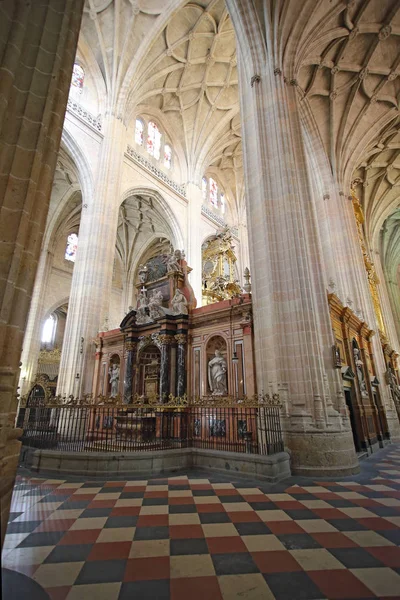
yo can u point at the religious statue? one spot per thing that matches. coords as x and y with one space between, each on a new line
179 303
155 305
173 262
142 308
114 380
392 381
360 373
217 375
143 273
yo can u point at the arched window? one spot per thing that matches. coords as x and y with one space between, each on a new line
167 156
153 140
72 245
213 192
139 128
49 330
78 75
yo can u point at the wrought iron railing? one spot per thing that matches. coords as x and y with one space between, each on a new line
226 424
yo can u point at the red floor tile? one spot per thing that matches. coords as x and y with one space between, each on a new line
339 584
81 497
326 496
143 569
55 525
156 494
226 545
114 484
86 536
125 511
207 508
182 500
227 492
294 489
59 593
389 555
275 562
255 498
244 517
152 521
132 488
281 527
185 532
195 588
377 524
102 504
333 540
109 551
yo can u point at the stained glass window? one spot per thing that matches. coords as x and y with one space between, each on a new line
167 156
213 192
49 329
153 140
72 244
204 188
78 75
139 132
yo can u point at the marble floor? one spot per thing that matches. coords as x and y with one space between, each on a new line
202 536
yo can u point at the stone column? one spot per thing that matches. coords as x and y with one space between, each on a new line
181 340
165 341
195 239
293 333
92 278
130 361
31 349
37 50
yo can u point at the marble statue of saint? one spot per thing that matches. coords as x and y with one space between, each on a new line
141 308
114 380
217 375
179 303
360 373
155 305
173 262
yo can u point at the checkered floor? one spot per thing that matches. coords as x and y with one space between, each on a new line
204 538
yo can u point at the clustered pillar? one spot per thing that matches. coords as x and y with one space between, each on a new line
37 51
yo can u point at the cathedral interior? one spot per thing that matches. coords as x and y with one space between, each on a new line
200 299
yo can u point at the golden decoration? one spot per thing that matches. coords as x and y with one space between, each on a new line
165 339
373 279
49 356
218 259
174 402
181 338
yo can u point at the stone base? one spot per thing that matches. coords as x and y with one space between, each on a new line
7 480
98 464
322 454
394 426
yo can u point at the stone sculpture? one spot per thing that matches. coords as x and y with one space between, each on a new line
360 373
142 308
114 380
155 305
173 262
217 369
179 304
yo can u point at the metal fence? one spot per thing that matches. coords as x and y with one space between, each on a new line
126 428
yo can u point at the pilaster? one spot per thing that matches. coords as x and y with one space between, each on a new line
92 278
37 50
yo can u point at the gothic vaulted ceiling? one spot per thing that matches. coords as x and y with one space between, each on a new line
347 69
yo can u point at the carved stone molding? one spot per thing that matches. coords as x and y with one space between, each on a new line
142 161
181 338
78 110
